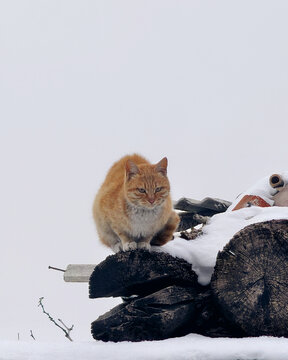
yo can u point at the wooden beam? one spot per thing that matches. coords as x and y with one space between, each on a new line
78 272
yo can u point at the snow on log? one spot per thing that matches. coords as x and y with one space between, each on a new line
250 280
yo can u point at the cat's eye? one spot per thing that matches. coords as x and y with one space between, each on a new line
158 189
141 190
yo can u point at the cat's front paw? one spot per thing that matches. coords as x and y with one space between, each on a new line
128 246
117 247
144 245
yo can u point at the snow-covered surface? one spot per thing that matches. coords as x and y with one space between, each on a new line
263 189
202 252
192 347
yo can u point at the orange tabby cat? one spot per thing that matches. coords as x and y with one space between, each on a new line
133 207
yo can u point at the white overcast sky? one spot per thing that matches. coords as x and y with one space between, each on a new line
83 83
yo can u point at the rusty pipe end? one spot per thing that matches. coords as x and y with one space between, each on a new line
276 181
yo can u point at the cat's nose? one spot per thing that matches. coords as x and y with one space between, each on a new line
151 200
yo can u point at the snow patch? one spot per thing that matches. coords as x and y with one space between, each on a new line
192 347
202 252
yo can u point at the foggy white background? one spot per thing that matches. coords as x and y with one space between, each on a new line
83 83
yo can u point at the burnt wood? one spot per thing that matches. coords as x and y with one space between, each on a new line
250 281
248 295
206 207
190 219
157 316
162 299
139 272
192 235
170 312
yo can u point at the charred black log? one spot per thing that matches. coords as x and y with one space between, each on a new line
206 207
168 302
209 321
170 312
250 280
195 212
191 235
160 315
190 219
139 272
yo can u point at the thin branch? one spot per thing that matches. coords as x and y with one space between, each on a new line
66 331
31 334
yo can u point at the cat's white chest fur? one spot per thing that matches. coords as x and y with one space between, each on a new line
144 222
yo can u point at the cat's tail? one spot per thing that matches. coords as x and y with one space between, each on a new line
166 234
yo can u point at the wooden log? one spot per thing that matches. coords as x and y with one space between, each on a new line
206 207
190 219
160 315
172 311
167 301
78 272
250 281
139 272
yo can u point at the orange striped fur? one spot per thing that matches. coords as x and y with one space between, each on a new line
133 207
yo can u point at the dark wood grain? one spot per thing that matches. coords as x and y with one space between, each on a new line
139 272
250 281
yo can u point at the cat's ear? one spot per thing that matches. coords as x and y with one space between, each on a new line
161 166
131 169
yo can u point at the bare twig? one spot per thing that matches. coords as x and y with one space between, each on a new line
66 330
31 334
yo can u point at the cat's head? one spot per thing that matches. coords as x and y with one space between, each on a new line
147 185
